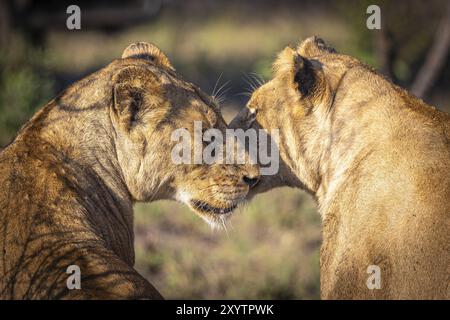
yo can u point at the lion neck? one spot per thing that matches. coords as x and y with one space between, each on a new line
82 142
337 140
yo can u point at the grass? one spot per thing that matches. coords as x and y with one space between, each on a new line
271 250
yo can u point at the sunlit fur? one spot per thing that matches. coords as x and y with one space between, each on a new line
72 174
376 159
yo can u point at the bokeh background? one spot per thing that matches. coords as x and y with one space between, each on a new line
272 248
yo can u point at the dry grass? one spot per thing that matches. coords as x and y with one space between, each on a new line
271 250
222 38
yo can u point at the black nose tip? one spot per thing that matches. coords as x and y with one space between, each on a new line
251 182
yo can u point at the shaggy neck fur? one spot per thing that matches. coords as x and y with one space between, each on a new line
335 139
88 151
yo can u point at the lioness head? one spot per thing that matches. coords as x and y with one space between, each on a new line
151 102
296 101
121 121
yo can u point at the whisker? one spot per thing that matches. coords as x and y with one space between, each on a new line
245 94
259 80
157 189
222 87
219 95
224 226
222 96
215 85
249 82
254 80
230 224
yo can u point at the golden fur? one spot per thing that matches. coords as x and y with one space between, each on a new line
72 174
376 159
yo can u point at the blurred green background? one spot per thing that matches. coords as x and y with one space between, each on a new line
272 250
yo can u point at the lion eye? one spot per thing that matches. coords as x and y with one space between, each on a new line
251 116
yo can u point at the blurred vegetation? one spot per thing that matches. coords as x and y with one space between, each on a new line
24 86
408 30
269 252
272 251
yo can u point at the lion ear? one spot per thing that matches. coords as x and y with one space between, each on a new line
147 51
295 69
304 76
135 92
314 46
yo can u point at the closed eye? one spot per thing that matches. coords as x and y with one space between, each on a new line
251 117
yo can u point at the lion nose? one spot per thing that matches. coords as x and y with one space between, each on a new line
251 181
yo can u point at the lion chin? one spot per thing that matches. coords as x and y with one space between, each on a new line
215 213
205 207
216 216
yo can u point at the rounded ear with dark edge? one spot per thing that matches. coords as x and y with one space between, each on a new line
147 51
135 92
314 46
295 69
304 77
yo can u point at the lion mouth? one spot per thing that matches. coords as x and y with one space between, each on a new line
206 208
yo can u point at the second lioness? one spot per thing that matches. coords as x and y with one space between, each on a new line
376 159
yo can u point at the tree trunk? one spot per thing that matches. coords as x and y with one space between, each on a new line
435 59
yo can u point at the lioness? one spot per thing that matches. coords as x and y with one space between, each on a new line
377 161
73 172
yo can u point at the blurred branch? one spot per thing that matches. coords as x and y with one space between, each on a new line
36 17
386 52
5 23
97 17
435 59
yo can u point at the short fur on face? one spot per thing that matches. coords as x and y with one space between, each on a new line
150 103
